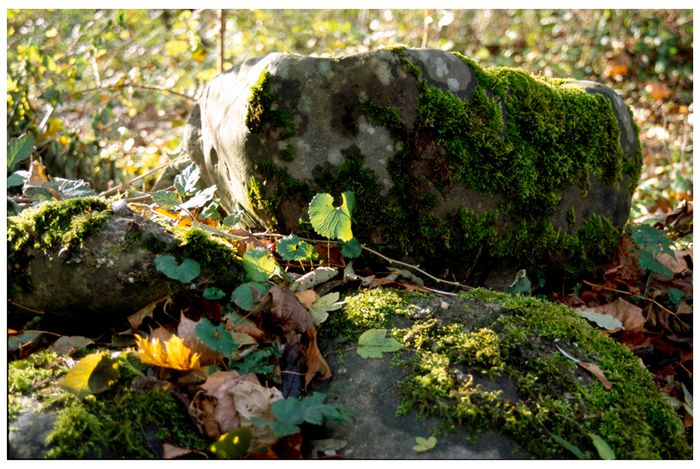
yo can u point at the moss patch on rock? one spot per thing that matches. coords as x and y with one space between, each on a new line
128 421
496 366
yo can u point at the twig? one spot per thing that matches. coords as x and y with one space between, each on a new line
416 268
161 89
222 36
645 298
144 175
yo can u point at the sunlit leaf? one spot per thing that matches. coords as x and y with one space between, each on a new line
18 150
186 181
330 221
329 302
232 445
216 338
424 444
292 248
165 199
17 178
174 354
373 343
259 264
185 272
93 374
199 199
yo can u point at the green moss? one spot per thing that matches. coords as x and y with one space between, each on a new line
63 222
287 188
129 425
287 153
53 224
261 110
451 370
213 254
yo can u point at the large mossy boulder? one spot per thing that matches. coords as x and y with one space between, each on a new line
449 162
490 375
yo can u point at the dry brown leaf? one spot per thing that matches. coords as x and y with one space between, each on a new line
224 413
678 265
307 298
37 176
315 363
289 313
186 330
629 315
597 372
137 318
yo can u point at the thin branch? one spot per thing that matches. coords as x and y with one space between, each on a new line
222 37
144 175
161 89
645 298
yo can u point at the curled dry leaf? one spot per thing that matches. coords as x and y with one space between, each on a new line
597 372
631 316
171 354
137 318
288 312
175 452
315 363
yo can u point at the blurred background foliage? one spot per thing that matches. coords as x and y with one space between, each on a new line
105 92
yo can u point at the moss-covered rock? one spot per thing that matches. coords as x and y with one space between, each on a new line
485 363
85 265
450 162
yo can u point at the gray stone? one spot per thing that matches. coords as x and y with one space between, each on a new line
273 131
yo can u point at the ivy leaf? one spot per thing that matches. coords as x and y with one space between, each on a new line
259 264
217 338
199 199
292 248
233 219
329 221
246 295
604 450
94 374
213 293
373 343
232 445
255 362
351 249
69 188
185 272
647 260
423 444
291 412
18 150
320 308
186 181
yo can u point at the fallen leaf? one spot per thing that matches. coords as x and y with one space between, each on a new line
601 320
17 342
329 444
288 312
137 318
319 310
629 315
373 343
604 450
315 363
93 374
173 354
68 345
307 298
175 452
186 329
597 372
676 264
424 444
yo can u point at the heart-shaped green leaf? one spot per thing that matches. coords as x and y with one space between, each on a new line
18 150
424 444
293 248
246 295
185 272
330 221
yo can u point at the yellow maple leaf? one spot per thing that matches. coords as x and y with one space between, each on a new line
174 355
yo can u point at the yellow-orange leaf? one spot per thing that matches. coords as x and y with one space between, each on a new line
174 354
